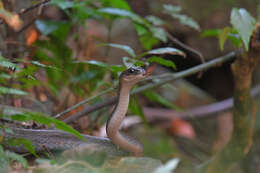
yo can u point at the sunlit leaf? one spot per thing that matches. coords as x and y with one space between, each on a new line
184 19
158 33
223 37
244 23
130 62
169 167
47 27
126 48
93 62
63 4
122 13
4 90
155 20
5 63
166 50
172 9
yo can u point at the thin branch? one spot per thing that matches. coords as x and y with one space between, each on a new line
185 47
83 102
23 11
169 77
204 111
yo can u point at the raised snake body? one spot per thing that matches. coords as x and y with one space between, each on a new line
59 140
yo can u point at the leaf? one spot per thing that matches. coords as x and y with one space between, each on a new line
166 50
223 37
171 9
5 63
210 33
122 13
27 144
46 120
93 62
136 108
244 23
158 33
130 62
148 41
4 90
63 4
156 21
126 48
10 156
186 20
162 61
116 4
169 167
47 27
153 96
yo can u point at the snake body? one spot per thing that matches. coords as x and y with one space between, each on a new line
59 140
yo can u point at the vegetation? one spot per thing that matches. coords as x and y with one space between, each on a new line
51 67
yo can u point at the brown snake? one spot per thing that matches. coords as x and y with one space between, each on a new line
59 140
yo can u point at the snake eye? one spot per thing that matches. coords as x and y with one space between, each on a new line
131 70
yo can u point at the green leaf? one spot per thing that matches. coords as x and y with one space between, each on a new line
122 13
153 96
4 90
130 62
158 33
244 23
63 4
210 33
46 120
26 143
148 41
162 61
223 37
166 50
184 19
5 63
156 21
10 156
116 4
126 48
47 27
136 108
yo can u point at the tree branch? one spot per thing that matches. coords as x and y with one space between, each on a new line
167 77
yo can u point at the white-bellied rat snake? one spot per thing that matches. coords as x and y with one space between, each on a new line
59 140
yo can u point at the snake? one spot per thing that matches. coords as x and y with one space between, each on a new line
117 143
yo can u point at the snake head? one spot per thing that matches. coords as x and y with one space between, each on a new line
133 75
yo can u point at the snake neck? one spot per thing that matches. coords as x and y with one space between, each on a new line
120 110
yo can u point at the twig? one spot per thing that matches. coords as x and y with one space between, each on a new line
169 77
23 11
198 112
83 102
185 47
